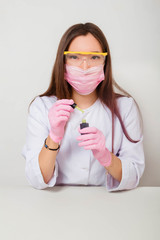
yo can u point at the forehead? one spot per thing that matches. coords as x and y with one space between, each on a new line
87 43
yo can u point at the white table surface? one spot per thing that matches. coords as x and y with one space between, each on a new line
84 213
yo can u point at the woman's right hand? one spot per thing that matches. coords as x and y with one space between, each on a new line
58 116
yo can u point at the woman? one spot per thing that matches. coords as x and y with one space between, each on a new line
109 150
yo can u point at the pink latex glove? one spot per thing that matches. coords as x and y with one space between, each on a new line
95 140
58 116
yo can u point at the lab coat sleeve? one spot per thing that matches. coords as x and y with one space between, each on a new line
37 131
130 154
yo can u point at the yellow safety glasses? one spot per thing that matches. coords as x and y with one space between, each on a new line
84 53
92 58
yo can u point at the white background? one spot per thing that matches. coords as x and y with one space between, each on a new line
30 32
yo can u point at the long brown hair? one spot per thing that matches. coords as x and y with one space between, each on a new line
105 90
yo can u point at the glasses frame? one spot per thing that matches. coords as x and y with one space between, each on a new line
97 53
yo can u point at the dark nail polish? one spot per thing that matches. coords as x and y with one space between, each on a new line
73 105
84 124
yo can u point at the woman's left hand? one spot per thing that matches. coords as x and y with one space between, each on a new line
93 139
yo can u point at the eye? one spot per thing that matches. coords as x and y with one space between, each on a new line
74 57
95 57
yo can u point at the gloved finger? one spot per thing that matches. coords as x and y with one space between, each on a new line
64 102
87 143
62 113
62 119
63 107
86 137
55 109
89 130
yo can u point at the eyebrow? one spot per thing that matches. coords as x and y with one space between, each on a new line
96 51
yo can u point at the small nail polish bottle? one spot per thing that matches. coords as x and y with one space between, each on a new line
84 124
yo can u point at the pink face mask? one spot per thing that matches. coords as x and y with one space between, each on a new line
84 81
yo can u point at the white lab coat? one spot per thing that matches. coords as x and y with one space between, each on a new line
75 165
